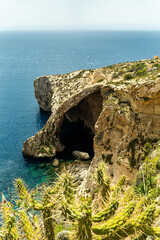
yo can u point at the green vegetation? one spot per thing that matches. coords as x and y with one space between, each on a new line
146 179
157 65
137 67
131 147
121 72
48 148
141 72
79 75
128 76
110 213
115 75
100 80
137 70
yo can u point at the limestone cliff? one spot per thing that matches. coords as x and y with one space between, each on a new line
119 104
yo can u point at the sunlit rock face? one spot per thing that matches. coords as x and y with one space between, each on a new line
119 106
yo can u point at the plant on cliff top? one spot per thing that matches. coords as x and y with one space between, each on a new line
141 72
136 67
128 76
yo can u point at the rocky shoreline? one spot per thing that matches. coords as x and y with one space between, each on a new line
119 105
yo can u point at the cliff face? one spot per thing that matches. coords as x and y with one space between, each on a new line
119 105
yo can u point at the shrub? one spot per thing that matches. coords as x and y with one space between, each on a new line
137 67
156 65
115 75
128 76
141 72
100 80
121 73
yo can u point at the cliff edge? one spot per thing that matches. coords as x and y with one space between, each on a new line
119 105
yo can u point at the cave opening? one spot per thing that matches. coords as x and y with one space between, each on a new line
75 136
77 130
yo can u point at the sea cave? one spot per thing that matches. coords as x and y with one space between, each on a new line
77 130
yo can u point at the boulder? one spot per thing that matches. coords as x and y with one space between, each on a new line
81 155
56 162
150 238
63 235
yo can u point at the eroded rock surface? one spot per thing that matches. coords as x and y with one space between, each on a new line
119 104
80 155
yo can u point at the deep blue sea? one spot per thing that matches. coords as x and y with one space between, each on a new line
27 55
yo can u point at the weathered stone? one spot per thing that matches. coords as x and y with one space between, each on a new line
56 162
156 57
150 238
81 155
121 114
157 109
157 200
63 235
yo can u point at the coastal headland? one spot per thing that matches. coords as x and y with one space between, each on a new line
118 106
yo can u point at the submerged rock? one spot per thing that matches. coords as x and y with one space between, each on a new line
55 162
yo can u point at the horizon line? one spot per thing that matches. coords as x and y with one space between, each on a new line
75 30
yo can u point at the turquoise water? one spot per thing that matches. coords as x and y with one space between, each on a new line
26 55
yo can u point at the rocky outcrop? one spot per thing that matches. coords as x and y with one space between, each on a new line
119 104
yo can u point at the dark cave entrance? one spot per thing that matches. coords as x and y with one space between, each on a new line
77 130
75 136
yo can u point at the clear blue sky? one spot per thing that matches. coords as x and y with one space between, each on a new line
79 14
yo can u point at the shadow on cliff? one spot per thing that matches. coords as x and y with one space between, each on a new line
77 130
75 136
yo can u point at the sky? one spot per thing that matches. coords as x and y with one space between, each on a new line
79 15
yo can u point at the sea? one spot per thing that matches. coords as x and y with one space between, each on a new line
27 55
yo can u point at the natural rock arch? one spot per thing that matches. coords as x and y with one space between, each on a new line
85 106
